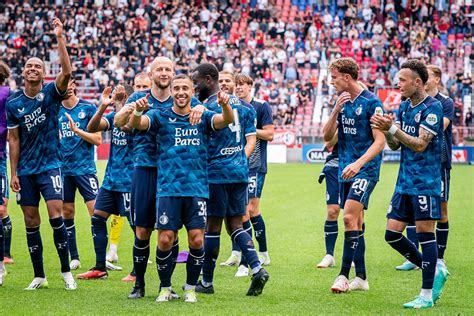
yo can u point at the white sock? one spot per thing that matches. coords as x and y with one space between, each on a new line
236 253
2 267
206 284
256 269
113 248
427 293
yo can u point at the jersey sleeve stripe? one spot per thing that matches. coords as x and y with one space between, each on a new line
12 127
107 121
250 134
429 130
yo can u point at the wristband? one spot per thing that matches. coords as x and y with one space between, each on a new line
393 129
137 113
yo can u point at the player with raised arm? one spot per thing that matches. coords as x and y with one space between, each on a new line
78 165
114 194
442 226
35 160
257 172
141 82
228 180
359 148
418 132
182 177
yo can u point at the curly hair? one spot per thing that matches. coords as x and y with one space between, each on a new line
345 65
5 72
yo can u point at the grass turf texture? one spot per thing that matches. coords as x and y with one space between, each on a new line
293 205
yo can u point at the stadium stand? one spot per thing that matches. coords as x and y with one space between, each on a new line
286 45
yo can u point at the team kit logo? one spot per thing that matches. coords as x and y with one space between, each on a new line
81 115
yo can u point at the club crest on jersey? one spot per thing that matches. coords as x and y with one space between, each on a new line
378 110
417 117
40 96
432 119
164 219
359 110
81 115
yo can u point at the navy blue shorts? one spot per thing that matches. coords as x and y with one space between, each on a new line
332 185
445 184
113 202
175 211
255 185
87 184
49 184
358 190
409 208
5 186
143 212
226 200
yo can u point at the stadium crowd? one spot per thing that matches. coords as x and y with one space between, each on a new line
284 51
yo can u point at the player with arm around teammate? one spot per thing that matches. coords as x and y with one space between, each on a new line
182 178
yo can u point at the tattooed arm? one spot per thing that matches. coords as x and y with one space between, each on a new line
417 144
392 141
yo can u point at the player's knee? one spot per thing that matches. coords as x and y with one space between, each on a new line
349 220
392 236
142 233
68 210
32 220
333 212
165 240
196 241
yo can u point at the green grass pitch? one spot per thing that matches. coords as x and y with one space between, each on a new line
293 206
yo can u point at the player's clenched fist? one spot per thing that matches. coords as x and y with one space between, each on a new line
58 27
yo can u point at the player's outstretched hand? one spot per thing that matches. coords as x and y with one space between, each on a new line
380 122
196 114
142 104
15 184
72 126
58 27
351 170
343 98
106 98
223 98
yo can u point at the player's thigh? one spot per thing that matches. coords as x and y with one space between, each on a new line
214 224
106 203
194 213
143 197
169 213
51 186
401 209
445 184
237 199
426 209
332 185
218 200
70 187
29 194
88 186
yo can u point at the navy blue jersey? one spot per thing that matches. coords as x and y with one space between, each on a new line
144 142
118 174
77 155
420 173
227 159
355 135
258 158
37 121
448 112
182 153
